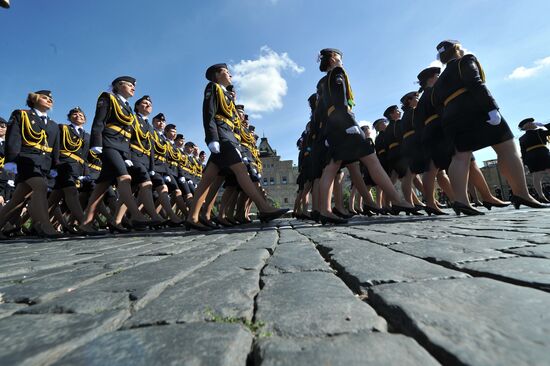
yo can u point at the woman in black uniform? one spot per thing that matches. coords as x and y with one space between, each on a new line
219 117
471 121
534 151
110 137
32 150
345 139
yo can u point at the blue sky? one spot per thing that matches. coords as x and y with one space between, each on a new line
75 49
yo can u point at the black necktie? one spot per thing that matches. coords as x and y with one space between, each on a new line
128 105
44 119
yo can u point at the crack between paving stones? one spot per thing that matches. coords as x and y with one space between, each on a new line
473 273
394 326
251 357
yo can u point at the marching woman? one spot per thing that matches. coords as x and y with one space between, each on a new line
219 121
471 121
432 144
534 151
32 150
345 139
110 137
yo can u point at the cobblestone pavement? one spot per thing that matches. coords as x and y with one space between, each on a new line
379 291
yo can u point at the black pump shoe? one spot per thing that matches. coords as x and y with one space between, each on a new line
268 216
396 209
315 216
331 220
489 205
432 211
466 210
196 226
341 214
518 201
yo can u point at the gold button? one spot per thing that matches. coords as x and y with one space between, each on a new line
125 139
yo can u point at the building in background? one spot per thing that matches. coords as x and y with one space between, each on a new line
495 180
278 176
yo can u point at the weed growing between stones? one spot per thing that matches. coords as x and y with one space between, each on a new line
254 327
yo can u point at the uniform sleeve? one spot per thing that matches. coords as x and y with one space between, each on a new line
209 109
471 76
98 125
13 140
55 150
522 146
337 87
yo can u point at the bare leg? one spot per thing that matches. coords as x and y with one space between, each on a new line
478 181
38 205
145 197
211 198
325 188
208 177
164 200
338 193
249 188
381 179
458 174
352 200
510 165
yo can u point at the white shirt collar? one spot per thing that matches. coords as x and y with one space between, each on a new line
40 114
122 98
77 128
2 139
223 87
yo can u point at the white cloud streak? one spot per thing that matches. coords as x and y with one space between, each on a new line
523 72
260 83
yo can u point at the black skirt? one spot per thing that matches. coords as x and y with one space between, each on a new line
436 147
112 165
26 169
537 160
466 128
229 155
343 146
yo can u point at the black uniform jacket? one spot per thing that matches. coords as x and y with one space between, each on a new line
461 90
73 149
218 115
112 125
21 144
141 145
160 150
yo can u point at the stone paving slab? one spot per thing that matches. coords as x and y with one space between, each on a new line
40 339
296 257
363 348
473 321
459 249
534 272
541 251
364 264
287 292
224 288
190 344
312 304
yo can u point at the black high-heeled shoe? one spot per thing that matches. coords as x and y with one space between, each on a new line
331 220
208 223
222 222
118 228
315 216
518 201
432 211
196 226
232 221
376 210
340 214
396 209
459 208
268 216
489 205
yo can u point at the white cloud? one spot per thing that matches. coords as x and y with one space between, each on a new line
260 84
436 63
523 72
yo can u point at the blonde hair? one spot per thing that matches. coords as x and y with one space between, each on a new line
450 53
32 98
